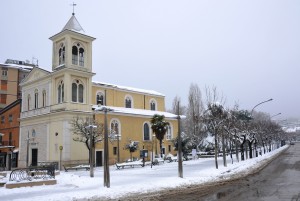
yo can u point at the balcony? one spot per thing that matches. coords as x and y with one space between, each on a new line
9 143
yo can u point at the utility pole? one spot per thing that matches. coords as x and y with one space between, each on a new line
180 170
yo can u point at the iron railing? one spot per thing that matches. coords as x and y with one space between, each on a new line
33 173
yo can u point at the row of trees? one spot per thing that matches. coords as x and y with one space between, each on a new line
234 130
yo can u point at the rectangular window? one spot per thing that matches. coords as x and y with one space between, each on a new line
4 73
74 59
0 139
115 150
169 148
10 139
4 85
81 61
10 118
2 119
3 98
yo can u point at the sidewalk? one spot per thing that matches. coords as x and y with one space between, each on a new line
78 184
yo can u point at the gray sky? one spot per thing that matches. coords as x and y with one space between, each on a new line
248 49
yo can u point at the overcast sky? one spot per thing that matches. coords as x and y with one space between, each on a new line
248 49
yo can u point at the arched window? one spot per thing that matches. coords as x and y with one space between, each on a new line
100 98
115 127
60 92
74 55
81 57
128 102
146 132
44 98
61 54
78 55
28 101
169 134
77 91
152 104
36 99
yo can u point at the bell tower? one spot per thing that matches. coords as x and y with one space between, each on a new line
72 67
72 47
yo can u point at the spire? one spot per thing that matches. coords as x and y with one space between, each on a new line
73 8
73 25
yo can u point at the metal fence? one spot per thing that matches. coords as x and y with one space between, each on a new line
33 173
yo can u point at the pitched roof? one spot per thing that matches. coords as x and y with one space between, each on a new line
152 92
73 25
133 111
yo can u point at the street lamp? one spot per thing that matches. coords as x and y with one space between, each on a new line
27 151
179 155
118 139
153 136
106 153
275 115
91 149
260 104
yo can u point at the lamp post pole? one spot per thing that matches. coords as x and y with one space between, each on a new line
27 149
27 157
91 152
180 170
118 136
106 155
153 136
260 104
106 150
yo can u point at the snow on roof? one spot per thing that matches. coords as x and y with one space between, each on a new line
18 66
132 111
73 25
291 130
128 88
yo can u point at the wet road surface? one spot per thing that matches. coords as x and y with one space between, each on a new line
278 181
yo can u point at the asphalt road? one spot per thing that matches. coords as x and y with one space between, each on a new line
278 181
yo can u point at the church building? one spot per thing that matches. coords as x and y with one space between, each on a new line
52 99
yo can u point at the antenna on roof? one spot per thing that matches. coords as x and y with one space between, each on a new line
35 60
73 4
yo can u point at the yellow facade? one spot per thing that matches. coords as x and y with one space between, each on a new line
49 107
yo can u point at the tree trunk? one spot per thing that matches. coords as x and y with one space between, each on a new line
160 146
236 149
250 149
223 150
216 151
242 151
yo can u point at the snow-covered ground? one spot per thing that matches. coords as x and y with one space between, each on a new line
78 184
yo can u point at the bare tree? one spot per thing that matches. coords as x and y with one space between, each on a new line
214 117
81 132
193 125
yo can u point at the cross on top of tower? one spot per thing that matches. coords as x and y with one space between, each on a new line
73 4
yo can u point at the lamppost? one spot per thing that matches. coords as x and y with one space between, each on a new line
27 149
106 153
91 149
179 155
60 153
118 140
153 136
260 104
252 114
275 115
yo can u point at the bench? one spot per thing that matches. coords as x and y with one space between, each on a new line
76 167
132 164
157 161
